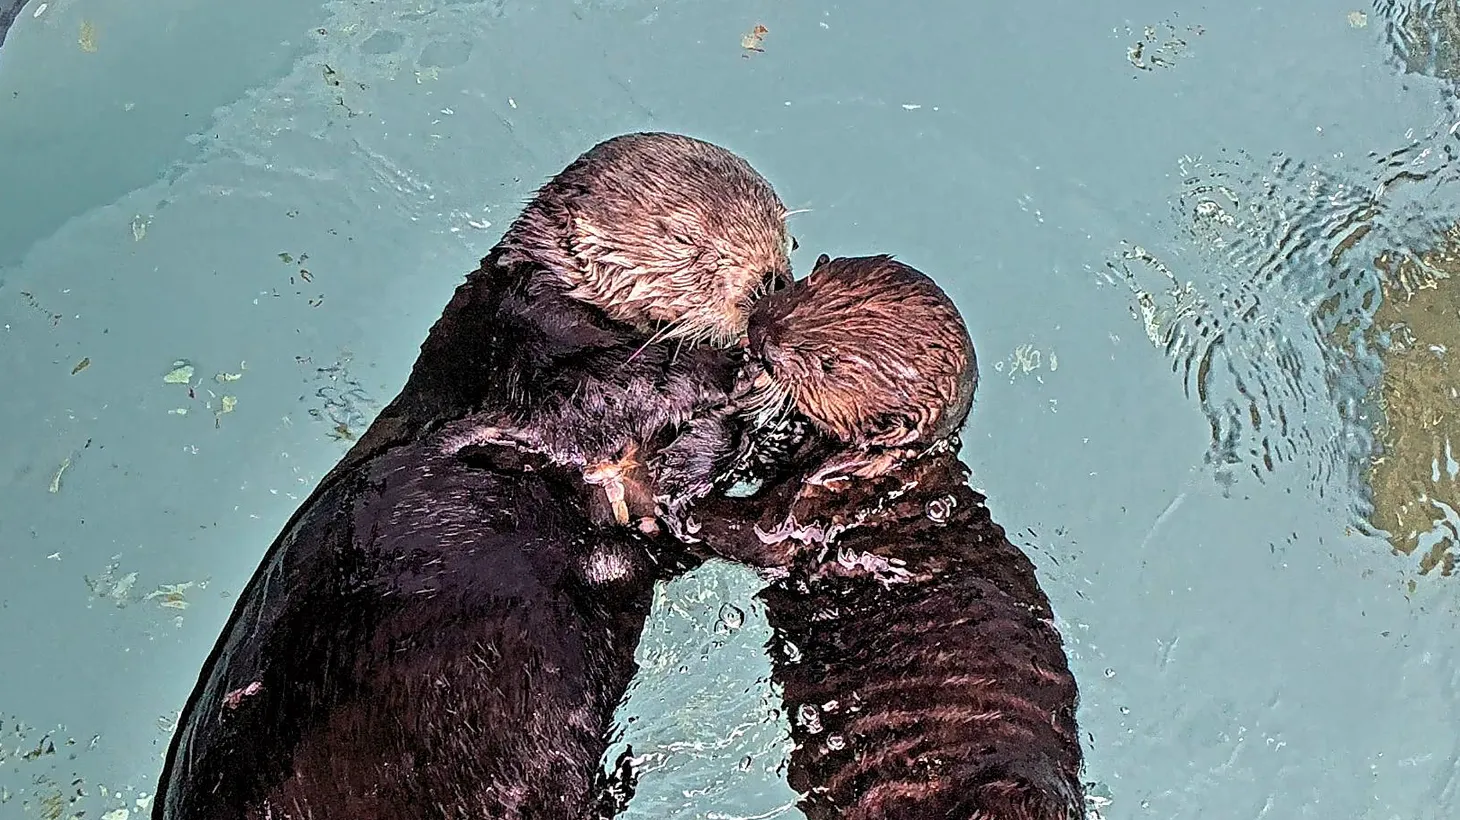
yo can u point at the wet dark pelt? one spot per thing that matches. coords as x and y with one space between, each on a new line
442 630
918 657
919 662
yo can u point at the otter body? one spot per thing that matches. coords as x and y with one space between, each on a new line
442 630
435 637
439 633
917 655
9 10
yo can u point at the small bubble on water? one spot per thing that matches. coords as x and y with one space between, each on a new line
1125 710
746 762
1109 673
732 616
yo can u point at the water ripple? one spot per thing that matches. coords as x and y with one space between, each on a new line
1263 291
1424 35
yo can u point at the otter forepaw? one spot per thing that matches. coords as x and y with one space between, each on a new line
886 571
835 474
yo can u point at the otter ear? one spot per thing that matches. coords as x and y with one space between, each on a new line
820 260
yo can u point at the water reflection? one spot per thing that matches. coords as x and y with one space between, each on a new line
1311 335
1424 35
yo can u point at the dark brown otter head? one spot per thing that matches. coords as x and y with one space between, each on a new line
661 231
869 349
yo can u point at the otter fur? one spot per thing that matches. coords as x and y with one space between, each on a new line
916 653
442 630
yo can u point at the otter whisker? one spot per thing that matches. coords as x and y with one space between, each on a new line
663 333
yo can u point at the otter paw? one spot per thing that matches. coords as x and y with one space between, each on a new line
886 571
484 435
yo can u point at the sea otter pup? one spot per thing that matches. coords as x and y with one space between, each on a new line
917 655
440 631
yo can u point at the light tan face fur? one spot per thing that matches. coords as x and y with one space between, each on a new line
665 232
870 350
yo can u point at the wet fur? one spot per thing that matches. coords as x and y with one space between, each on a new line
952 692
695 260
442 632
906 626
870 349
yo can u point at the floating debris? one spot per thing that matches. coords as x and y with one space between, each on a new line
181 373
172 596
139 226
754 39
56 479
228 402
1159 45
55 318
178 411
81 365
111 587
87 38
1357 19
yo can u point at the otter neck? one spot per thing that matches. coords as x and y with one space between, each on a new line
506 325
929 491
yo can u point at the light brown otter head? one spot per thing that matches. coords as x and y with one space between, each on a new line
869 349
660 231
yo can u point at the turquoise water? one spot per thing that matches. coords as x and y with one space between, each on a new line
1099 187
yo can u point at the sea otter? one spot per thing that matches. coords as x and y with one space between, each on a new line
441 630
917 655
9 10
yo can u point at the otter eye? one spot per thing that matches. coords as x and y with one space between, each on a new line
828 364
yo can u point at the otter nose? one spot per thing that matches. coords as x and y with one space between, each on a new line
778 280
